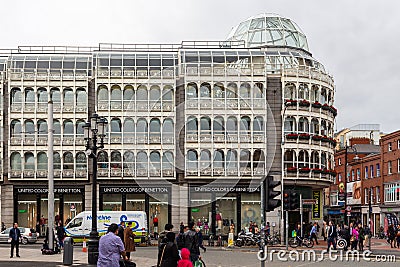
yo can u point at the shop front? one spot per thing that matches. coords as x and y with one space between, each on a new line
215 208
154 200
31 204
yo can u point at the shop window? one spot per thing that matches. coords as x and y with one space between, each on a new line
27 209
158 209
226 213
250 206
112 202
72 206
200 204
135 202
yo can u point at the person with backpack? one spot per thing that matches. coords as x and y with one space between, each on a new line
180 239
167 228
168 255
192 242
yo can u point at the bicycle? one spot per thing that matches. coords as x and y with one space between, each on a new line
299 242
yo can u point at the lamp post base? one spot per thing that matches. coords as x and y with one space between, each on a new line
93 247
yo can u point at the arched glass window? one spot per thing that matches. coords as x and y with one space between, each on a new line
231 90
129 130
155 161
57 161
258 125
79 127
303 91
42 95
323 128
205 125
57 128
68 128
68 161
81 97
116 160
29 95
205 159
315 93
258 90
314 126
68 96
141 129
231 126
303 125
323 160
15 161
81 161
192 125
116 127
168 127
304 159
231 159
16 96
129 160
55 95
290 125
29 128
219 125
245 159
16 128
290 91
192 160
129 93
219 91
290 159
315 160
168 161
323 95
245 125
141 161
245 91
258 159
116 93
155 93
168 93
29 161
141 94
205 90
219 159
155 131
42 161
102 93
42 127
191 91
102 160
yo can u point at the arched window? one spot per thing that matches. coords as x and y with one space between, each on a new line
323 95
141 130
245 125
155 94
102 94
141 98
192 160
231 159
290 91
303 125
303 91
42 96
116 93
245 91
231 90
15 161
16 96
42 128
323 161
155 131
304 159
315 93
29 95
323 128
290 159
68 161
42 161
314 126
205 90
258 125
129 130
205 159
258 90
29 128
168 131
55 95
68 96
231 126
16 128
168 161
205 125
245 159
155 162
168 93
81 163
68 128
191 91
57 128
116 160
219 159
258 160
219 91
129 160
57 161
192 125
219 125
116 127
79 127
81 97
141 161
102 160
129 94
29 161
315 160
290 125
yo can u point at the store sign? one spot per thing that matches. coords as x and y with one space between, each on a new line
195 209
36 190
223 189
354 193
124 189
342 192
316 208
22 211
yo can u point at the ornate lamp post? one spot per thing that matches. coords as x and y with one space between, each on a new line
94 131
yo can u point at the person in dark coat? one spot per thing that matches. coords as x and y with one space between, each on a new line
15 235
60 235
121 231
168 255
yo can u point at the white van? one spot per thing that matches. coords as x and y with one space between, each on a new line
80 226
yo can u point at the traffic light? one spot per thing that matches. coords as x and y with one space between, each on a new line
286 201
270 202
291 201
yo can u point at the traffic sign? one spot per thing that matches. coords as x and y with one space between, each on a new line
309 201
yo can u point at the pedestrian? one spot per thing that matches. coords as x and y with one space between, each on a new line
354 238
185 261
121 231
14 236
38 228
192 242
398 236
331 236
167 228
181 228
323 232
391 236
313 233
168 254
110 248
200 235
42 226
60 235
180 239
268 229
361 237
129 238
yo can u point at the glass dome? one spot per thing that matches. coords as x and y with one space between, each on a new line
269 30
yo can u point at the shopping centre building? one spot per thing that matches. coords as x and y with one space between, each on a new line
192 127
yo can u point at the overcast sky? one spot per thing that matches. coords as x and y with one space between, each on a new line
356 40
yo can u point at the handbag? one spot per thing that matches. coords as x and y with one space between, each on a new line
162 255
352 239
9 240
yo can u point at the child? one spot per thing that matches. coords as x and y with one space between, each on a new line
185 262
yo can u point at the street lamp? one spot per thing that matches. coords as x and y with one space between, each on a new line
348 178
94 129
